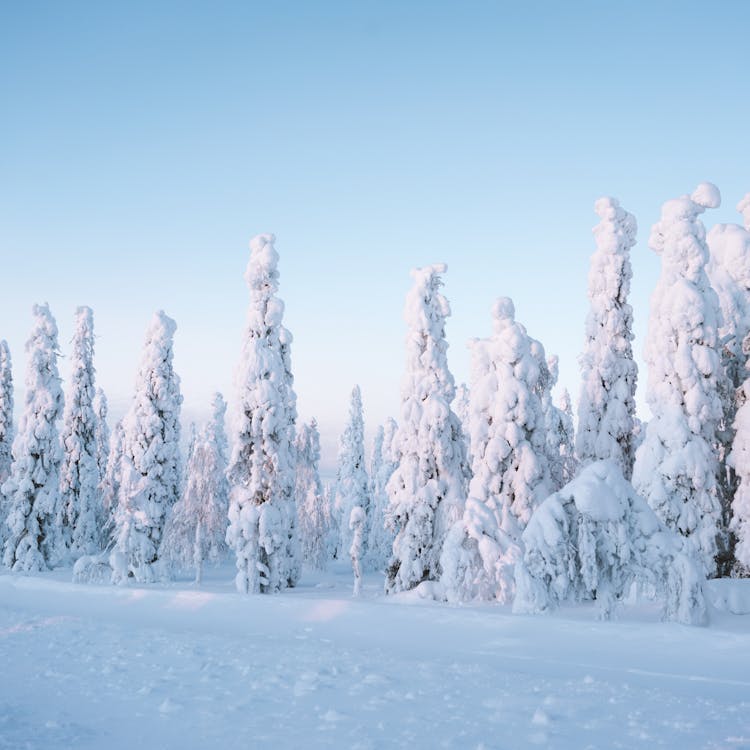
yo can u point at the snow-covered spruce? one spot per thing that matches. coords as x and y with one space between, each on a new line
357 523
314 522
606 406
593 539
428 488
101 413
739 460
332 521
150 466
383 463
6 411
729 271
32 491
6 432
352 482
566 437
110 486
677 464
262 514
193 433
79 474
558 428
197 526
461 407
217 432
510 473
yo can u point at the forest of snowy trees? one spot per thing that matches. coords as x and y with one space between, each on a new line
482 491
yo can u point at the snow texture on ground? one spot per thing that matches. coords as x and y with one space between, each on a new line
180 667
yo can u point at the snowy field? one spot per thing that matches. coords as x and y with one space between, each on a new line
180 667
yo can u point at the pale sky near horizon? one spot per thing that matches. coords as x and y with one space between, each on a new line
143 144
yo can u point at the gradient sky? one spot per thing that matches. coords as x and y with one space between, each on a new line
142 144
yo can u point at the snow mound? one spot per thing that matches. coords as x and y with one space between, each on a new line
592 540
729 595
92 569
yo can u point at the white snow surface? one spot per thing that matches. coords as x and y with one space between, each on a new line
173 666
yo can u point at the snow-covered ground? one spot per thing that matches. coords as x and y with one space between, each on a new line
180 667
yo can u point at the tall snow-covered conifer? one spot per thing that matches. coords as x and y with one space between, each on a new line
558 433
428 488
314 524
739 460
101 412
509 465
262 514
34 541
566 438
196 529
677 464
6 432
729 271
79 474
150 480
352 483
606 407
383 463
6 412
110 486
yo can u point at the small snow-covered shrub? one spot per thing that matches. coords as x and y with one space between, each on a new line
595 537
92 569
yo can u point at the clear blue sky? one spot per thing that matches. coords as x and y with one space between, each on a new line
142 144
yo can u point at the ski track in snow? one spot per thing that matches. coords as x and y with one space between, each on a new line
176 667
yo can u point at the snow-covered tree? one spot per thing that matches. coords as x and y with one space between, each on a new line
193 437
461 407
218 431
6 432
729 271
510 472
428 488
262 515
110 486
677 464
383 463
352 483
739 460
313 519
595 537
197 526
150 479
357 523
79 474
606 407
558 427
6 413
32 491
332 521
101 413
566 433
